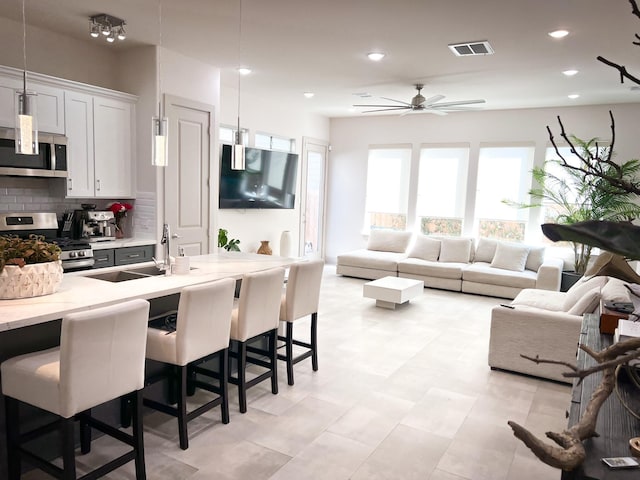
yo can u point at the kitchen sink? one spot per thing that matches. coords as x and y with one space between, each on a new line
130 274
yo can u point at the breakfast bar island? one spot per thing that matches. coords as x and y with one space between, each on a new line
32 324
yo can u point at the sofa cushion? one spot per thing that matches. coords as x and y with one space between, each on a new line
485 250
455 249
581 287
535 258
481 272
371 259
615 291
510 257
587 303
388 241
425 248
542 299
427 268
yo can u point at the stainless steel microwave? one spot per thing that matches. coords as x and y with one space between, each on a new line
51 160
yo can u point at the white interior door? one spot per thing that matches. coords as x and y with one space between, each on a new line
187 196
314 178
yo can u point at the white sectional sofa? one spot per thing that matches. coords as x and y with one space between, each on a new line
493 268
547 324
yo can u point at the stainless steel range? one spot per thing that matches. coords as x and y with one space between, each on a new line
76 254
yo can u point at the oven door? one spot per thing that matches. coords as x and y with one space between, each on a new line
76 265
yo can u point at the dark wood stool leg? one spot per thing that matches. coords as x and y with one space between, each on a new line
13 436
273 354
289 352
242 366
138 434
85 433
191 386
224 384
314 341
68 449
182 407
125 412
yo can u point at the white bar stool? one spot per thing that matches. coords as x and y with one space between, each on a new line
257 315
202 332
301 299
100 358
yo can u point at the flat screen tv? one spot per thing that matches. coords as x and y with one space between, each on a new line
268 181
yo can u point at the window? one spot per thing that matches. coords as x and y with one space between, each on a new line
387 188
442 187
273 142
504 172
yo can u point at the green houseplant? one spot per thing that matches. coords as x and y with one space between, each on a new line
230 245
28 267
578 197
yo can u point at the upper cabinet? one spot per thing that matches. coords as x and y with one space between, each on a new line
100 148
99 124
49 101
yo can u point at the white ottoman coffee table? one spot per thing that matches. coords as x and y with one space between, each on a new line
391 291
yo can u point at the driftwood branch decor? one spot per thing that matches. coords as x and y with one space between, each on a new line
569 451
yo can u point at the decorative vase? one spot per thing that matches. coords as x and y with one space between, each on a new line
32 280
285 244
264 249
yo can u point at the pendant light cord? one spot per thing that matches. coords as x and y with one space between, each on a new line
239 60
24 49
159 95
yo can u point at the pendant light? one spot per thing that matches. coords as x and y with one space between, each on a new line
237 157
160 125
26 121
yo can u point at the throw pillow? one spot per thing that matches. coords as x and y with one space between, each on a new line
535 258
582 286
455 250
510 257
388 241
615 291
587 303
485 250
425 248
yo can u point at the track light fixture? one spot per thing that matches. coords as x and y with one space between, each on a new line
109 26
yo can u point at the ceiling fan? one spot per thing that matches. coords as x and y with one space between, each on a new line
421 104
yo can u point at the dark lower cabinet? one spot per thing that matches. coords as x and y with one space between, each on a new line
129 255
104 258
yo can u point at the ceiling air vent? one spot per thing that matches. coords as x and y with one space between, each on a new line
471 48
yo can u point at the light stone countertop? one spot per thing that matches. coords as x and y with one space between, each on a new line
123 242
79 292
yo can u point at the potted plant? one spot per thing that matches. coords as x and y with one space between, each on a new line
230 245
578 197
28 267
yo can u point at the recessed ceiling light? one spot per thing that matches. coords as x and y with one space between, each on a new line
375 56
559 33
573 96
570 73
309 94
244 71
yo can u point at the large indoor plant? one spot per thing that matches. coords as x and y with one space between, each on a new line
28 267
578 197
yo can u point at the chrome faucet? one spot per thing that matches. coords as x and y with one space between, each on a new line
165 266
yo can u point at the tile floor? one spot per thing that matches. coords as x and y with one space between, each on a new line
404 394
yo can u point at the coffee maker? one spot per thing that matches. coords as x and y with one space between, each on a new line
95 225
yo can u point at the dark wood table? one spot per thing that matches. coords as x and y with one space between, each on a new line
615 424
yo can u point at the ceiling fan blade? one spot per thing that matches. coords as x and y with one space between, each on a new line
387 109
434 99
437 112
455 104
394 100
389 106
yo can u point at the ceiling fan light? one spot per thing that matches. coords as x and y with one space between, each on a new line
376 56
558 33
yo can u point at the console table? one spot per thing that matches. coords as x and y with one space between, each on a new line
615 425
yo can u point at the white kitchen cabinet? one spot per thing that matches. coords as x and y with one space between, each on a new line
100 146
49 101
